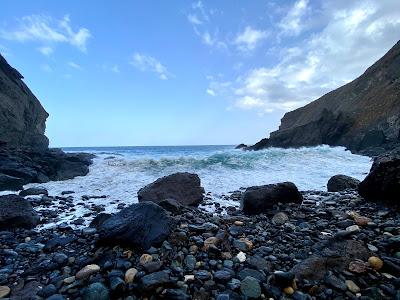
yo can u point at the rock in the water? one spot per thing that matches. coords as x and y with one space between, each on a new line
185 188
383 181
340 183
140 225
15 212
33 191
258 199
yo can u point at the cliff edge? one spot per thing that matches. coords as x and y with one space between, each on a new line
363 115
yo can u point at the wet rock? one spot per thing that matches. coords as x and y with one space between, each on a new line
10 183
154 280
140 225
99 220
250 287
96 291
352 286
183 187
258 199
280 218
33 191
171 205
340 183
16 212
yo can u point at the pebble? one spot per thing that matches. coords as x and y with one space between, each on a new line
241 256
4 291
130 275
96 291
250 287
352 286
280 218
87 271
145 258
353 228
375 262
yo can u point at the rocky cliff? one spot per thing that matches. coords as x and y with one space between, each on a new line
363 115
24 153
22 117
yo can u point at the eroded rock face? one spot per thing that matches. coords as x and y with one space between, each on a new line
340 183
363 115
383 181
185 188
16 212
259 199
22 117
140 226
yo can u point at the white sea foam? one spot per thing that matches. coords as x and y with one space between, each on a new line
119 173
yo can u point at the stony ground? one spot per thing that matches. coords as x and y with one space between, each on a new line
224 256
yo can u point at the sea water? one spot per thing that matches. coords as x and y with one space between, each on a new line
119 172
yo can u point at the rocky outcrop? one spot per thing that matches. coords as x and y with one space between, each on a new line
185 188
258 199
363 115
22 117
140 226
24 153
16 212
340 183
383 181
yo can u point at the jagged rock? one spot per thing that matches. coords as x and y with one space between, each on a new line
140 226
16 212
340 183
10 183
183 187
33 191
383 181
241 146
258 199
363 115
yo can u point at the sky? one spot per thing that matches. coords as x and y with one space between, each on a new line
126 73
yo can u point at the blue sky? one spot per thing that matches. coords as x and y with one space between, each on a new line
187 72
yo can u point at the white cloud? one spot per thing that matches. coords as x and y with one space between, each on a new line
292 23
145 62
210 92
47 51
194 19
74 66
249 38
47 30
353 36
46 68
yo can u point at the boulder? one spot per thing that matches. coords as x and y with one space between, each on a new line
33 191
258 199
183 187
10 183
241 146
333 254
139 226
340 183
15 212
383 181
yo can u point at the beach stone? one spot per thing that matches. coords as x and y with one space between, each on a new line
358 266
140 226
280 218
250 287
185 188
155 280
130 275
375 262
33 192
15 211
243 244
340 183
352 286
241 256
4 291
259 199
190 262
96 291
86 271
222 276
145 258
358 219
171 205
353 228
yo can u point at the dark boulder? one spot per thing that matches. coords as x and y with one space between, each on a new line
258 199
99 220
333 254
140 226
10 183
340 183
33 191
171 205
185 188
383 181
241 146
15 212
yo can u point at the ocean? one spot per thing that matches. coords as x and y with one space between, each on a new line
119 172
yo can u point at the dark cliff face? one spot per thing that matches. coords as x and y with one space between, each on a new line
22 117
363 115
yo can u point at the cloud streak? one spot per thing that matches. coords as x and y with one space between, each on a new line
147 63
